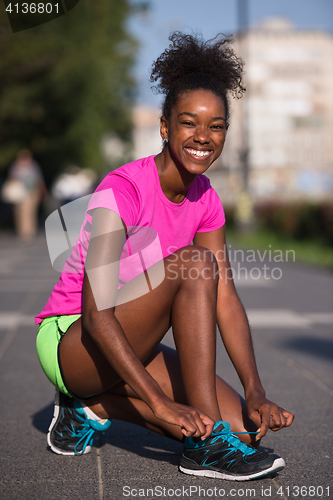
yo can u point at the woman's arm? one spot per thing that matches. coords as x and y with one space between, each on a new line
100 295
235 331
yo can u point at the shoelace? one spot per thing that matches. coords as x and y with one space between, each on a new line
86 433
89 427
232 440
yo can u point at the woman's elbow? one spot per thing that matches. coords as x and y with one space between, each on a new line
92 320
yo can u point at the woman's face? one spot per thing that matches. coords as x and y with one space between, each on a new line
196 130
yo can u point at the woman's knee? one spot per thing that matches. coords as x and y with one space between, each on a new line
194 263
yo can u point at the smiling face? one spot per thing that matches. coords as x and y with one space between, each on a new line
196 131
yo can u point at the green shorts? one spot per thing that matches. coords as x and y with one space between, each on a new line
48 340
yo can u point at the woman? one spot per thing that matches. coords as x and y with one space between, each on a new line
111 317
28 172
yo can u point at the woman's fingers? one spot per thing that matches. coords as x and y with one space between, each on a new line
209 423
204 426
272 417
277 420
191 420
196 424
265 412
284 419
191 428
289 417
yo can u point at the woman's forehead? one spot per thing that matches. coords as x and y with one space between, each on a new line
200 99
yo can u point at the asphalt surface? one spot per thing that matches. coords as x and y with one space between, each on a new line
290 310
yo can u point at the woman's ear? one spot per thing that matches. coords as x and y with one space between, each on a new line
163 128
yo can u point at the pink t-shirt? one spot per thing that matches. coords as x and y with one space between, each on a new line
156 227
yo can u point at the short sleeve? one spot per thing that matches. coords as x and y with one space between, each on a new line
120 195
213 217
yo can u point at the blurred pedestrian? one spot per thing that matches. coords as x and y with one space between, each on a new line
28 177
74 182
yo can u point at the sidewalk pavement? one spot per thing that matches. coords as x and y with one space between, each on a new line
291 317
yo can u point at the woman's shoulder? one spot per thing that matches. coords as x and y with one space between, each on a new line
124 189
202 189
210 208
203 181
133 171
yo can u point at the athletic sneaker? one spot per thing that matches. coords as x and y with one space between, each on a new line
222 455
71 431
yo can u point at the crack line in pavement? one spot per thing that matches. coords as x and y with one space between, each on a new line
100 479
291 362
278 486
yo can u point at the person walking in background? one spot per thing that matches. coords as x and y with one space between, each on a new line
29 180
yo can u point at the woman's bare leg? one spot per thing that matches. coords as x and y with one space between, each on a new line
186 298
122 403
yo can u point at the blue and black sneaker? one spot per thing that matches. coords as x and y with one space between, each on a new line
71 431
222 455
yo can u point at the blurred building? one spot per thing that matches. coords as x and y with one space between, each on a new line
146 137
285 122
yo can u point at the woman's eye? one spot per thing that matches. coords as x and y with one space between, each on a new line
217 127
188 123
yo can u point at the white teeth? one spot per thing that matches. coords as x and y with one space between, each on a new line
198 153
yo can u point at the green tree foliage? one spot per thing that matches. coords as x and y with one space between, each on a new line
66 83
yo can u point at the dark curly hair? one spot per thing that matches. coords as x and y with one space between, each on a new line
190 63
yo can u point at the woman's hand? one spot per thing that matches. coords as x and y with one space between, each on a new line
192 421
267 415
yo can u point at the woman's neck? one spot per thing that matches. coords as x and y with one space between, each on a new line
174 180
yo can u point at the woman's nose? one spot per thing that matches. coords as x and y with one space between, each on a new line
201 135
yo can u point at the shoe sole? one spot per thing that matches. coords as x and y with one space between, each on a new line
53 423
278 465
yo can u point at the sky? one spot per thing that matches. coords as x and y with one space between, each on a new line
210 17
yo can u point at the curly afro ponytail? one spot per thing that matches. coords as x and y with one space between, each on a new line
190 63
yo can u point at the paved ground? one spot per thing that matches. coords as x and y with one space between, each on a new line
290 310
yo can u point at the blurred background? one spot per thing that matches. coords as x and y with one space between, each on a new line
75 93
76 103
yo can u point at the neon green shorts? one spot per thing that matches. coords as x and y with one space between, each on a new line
49 336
